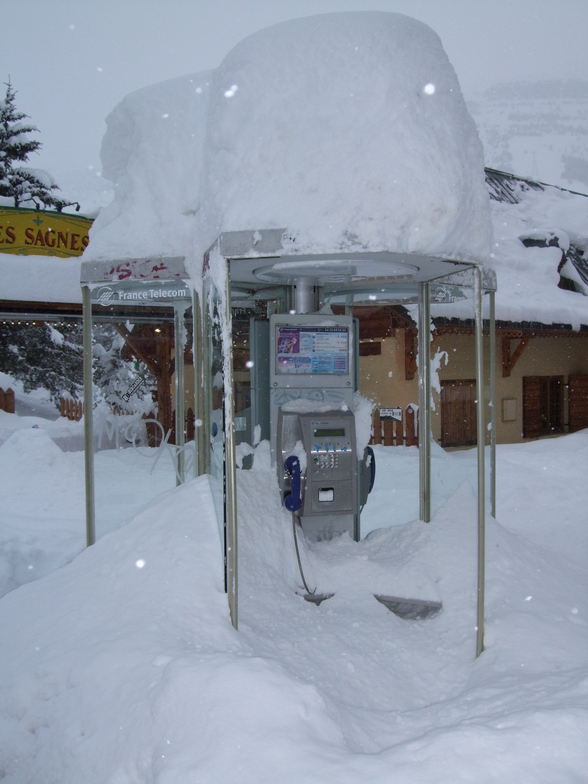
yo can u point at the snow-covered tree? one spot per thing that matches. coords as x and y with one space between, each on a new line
20 183
43 357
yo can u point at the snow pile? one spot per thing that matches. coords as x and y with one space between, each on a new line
40 279
528 277
153 152
122 666
39 531
349 130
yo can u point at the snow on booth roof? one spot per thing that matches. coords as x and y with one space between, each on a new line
347 129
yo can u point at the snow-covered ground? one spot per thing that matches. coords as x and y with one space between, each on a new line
118 663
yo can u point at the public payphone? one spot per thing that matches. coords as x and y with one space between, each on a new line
317 471
313 376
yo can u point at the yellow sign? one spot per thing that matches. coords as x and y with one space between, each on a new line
42 233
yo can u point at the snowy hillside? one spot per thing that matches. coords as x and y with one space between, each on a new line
537 130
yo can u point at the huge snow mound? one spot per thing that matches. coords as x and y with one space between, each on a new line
152 152
349 130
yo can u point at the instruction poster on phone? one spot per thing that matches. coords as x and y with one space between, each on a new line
313 350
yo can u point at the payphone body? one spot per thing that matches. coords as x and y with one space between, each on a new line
317 471
313 376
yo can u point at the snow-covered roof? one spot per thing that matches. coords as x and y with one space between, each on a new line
529 271
40 279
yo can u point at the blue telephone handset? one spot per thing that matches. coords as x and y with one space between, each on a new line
293 500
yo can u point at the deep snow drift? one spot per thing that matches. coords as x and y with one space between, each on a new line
122 666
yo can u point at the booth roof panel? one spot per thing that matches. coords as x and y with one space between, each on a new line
261 257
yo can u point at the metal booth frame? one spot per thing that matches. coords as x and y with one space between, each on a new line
136 286
255 263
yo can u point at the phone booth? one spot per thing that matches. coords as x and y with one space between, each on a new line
281 363
141 400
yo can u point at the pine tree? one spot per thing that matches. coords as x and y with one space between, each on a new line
17 182
43 358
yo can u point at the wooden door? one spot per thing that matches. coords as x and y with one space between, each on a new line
458 413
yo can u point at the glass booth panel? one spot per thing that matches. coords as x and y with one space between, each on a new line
214 406
388 377
219 408
143 416
458 388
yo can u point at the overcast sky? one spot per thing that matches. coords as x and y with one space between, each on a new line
72 61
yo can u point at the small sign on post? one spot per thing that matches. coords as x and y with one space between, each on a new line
391 413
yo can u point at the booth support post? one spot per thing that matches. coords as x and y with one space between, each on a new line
481 439
493 409
88 415
200 466
424 341
230 463
180 420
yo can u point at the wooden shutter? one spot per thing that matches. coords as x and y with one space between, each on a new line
578 397
542 405
531 407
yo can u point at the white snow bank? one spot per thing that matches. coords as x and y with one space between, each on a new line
123 647
43 510
349 130
123 667
153 153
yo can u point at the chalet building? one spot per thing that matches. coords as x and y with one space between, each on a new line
541 368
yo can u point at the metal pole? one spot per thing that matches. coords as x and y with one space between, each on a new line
230 465
207 353
481 441
424 340
179 389
493 411
199 404
88 415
